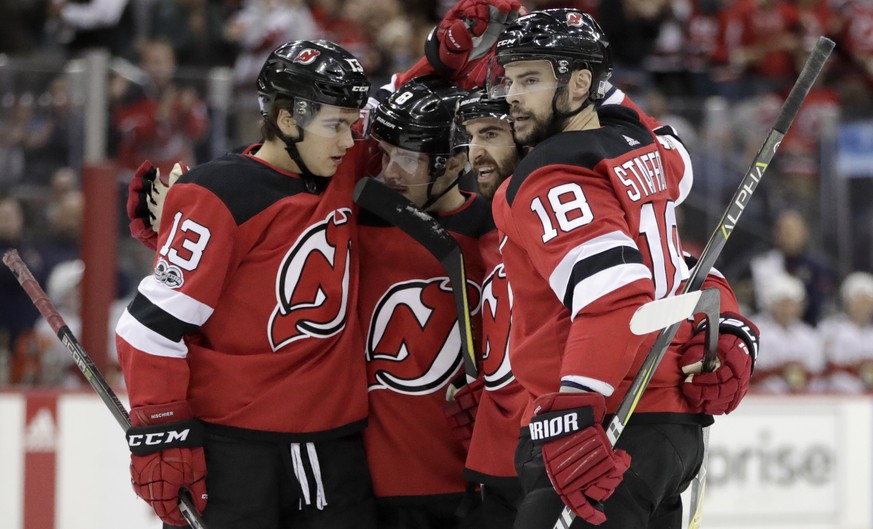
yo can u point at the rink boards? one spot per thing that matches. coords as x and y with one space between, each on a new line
803 462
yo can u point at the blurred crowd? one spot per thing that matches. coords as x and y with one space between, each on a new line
718 70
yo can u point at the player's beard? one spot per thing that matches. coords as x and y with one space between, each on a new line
541 128
501 171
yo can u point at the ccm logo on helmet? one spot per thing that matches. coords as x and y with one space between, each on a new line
553 426
306 56
158 438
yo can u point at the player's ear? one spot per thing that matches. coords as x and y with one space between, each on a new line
580 84
287 124
456 163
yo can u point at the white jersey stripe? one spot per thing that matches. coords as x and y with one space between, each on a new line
146 340
597 385
175 303
602 283
560 278
687 180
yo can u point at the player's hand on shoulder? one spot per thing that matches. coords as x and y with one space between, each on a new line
720 391
166 445
579 458
146 194
460 46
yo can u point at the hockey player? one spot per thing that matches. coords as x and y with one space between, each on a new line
482 127
490 419
246 337
413 343
589 221
295 294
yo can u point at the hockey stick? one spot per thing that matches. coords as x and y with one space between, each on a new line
661 313
811 70
394 208
42 302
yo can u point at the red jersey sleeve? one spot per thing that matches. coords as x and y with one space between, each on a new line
578 240
178 297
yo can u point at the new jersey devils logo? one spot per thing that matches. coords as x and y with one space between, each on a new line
306 56
574 19
312 286
413 340
496 310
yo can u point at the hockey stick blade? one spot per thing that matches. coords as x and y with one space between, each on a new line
661 313
811 70
397 210
48 311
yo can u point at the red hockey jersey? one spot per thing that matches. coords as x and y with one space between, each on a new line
249 314
413 351
591 228
490 458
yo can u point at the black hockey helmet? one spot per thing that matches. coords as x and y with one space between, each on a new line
315 70
417 117
476 105
479 105
569 39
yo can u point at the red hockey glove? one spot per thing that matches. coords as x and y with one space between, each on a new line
579 459
461 410
145 200
166 446
720 391
138 192
466 36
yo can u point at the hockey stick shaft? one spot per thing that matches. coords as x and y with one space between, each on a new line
811 70
397 210
728 222
48 311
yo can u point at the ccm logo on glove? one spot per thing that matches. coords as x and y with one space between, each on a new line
558 424
148 439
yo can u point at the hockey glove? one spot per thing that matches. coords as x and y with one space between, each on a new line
461 408
166 446
579 459
141 220
720 391
145 200
459 47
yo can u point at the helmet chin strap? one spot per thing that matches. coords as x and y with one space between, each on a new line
314 184
560 117
431 198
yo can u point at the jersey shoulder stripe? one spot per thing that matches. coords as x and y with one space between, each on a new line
158 320
624 133
244 185
588 267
